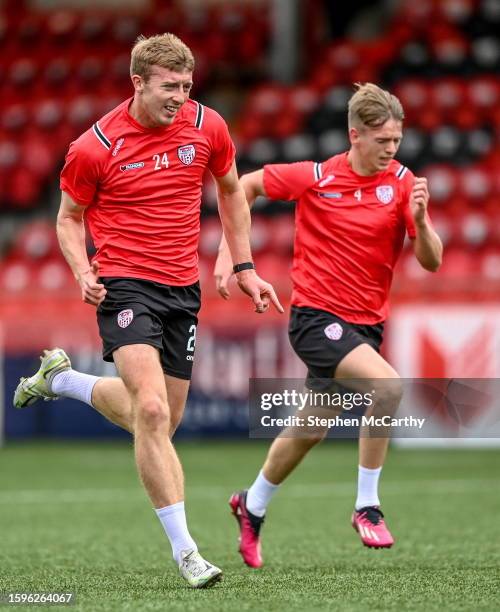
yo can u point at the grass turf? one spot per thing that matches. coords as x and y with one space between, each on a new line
74 518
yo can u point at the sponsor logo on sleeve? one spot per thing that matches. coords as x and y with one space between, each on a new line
326 181
186 154
118 146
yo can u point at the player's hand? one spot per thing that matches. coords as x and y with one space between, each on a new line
223 271
419 199
93 292
262 293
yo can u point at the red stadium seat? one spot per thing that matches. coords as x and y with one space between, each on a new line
126 28
443 225
303 99
57 72
275 269
23 72
53 275
37 241
82 112
90 70
457 264
62 26
450 50
15 276
15 118
48 114
250 126
416 13
299 147
475 183
448 94
284 125
38 156
343 57
490 264
267 100
443 182
93 28
263 151
455 11
474 229
9 154
414 95
211 233
22 188
484 96
282 234
250 45
261 234
411 269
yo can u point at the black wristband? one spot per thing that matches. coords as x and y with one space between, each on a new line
248 265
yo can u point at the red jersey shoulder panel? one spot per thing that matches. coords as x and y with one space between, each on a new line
405 179
223 150
87 157
290 181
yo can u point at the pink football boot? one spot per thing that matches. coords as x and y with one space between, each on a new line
369 523
249 529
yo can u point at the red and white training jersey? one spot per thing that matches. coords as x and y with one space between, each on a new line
350 231
142 188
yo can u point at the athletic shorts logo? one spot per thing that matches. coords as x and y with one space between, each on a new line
186 154
385 193
334 331
134 166
125 317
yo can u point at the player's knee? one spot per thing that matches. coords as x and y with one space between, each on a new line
389 392
313 437
152 413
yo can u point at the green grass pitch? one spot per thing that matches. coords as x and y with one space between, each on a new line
74 518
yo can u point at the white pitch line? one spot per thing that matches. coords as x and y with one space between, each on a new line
317 490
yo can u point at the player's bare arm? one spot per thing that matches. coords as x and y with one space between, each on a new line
235 217
253 186
427 244
71 236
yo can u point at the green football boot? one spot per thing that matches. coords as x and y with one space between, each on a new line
38 386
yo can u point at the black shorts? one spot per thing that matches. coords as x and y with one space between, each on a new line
322 340
139 311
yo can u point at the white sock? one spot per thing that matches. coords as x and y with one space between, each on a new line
259 495
173 519
75 385
367 487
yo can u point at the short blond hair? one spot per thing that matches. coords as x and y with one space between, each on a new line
370 106
165 50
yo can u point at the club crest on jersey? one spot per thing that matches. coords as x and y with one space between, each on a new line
384 193
186 154
125 317
334 331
